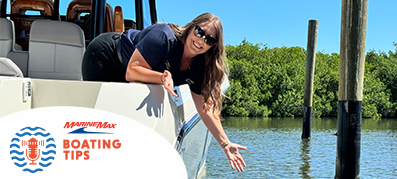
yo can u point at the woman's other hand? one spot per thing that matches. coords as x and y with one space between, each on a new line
166 78
235 159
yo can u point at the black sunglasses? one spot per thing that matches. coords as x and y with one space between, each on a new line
208 39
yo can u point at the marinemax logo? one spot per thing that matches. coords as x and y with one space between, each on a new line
32 149
36 143
76 149
93 125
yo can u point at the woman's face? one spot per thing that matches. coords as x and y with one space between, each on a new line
196 45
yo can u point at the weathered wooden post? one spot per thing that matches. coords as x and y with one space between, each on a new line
309 78
351 76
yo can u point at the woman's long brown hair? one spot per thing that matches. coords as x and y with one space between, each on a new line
215 66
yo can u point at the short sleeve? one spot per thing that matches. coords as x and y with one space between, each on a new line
154 46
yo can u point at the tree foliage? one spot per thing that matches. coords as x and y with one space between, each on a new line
270 82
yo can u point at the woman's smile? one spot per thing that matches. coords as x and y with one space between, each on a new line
197 45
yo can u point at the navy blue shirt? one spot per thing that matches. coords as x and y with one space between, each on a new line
163 51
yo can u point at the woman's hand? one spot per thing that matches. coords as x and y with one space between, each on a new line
235 159
166 78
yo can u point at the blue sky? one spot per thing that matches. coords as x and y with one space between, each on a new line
279 23
285 22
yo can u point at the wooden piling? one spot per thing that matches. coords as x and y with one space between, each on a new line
309 78
351 76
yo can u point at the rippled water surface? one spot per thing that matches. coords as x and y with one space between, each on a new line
276 150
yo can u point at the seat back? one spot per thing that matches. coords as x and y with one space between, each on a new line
6 36
118 19
23 24
77 7
56 50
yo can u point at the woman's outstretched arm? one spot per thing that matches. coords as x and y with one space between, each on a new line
138 70
215 127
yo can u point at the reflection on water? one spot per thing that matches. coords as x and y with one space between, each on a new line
305 157
276 150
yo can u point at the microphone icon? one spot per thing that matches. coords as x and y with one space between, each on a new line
32 153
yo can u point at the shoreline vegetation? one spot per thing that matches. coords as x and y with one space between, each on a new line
270 82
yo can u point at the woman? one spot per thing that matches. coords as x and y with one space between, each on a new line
170 55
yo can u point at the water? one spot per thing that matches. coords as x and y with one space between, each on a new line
276 150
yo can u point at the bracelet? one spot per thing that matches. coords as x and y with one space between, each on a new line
161 78
225 143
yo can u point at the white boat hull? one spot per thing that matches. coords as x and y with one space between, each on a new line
176 119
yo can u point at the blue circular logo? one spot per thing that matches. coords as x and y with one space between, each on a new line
32 149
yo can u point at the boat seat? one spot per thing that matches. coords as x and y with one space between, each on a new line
75 10
9 68
23 24
118 19
56 50
6 36
8 46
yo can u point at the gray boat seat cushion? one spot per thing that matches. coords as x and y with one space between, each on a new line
56 50
9 68
6 36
